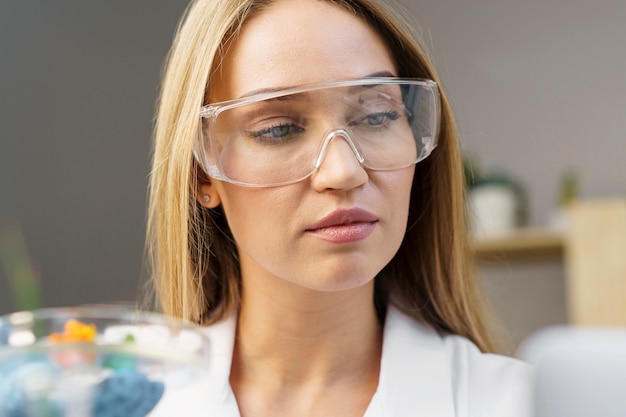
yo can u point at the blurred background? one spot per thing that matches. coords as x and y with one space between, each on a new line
537 86
78 83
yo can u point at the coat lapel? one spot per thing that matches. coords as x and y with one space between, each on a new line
416 375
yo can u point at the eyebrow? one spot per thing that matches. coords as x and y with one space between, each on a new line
382 74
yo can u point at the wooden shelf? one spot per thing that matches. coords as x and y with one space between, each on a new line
528 243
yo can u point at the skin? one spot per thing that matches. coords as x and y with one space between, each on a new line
308 338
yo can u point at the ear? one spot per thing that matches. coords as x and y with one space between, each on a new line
206 194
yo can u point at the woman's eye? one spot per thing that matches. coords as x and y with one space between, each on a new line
377 119
275 133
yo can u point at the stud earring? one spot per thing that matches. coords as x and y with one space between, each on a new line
206 198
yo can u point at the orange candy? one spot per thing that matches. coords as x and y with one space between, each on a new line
75 332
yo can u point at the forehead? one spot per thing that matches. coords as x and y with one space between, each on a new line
294 42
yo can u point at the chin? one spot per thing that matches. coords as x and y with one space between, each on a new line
345 282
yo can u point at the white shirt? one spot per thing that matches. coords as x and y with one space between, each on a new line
422 373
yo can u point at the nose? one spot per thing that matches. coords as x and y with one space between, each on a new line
339 163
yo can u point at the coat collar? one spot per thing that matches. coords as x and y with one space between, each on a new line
415 375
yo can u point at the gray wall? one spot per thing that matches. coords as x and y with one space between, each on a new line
537 85
78 82
539 89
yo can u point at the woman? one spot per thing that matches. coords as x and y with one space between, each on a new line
307 204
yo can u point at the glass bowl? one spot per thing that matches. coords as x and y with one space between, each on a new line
100 361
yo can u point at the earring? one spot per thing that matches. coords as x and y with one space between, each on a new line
206 198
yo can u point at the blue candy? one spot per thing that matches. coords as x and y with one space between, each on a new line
14 400
127 393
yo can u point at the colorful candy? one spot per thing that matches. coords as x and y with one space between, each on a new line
127 393
26 389
27 382
75 332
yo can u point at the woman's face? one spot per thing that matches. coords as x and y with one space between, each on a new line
338 228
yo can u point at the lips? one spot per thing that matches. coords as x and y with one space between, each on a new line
344 226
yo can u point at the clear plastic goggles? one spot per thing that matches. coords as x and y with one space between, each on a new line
281 136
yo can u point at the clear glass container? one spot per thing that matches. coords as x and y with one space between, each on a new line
100 361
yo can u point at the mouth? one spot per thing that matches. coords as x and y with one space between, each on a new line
344 226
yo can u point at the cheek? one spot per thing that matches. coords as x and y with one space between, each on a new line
255 216
398 185
398 196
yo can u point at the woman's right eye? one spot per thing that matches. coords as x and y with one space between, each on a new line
274 134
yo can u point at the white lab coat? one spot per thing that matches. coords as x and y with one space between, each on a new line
422 373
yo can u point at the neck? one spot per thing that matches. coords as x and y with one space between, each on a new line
310 339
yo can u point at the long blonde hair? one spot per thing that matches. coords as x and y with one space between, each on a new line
192 256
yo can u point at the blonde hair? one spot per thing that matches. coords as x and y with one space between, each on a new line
193 259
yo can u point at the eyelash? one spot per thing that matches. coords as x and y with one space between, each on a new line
261 134
389 115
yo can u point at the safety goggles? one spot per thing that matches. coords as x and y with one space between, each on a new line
281 136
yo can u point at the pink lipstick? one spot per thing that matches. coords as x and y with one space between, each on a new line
344 226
